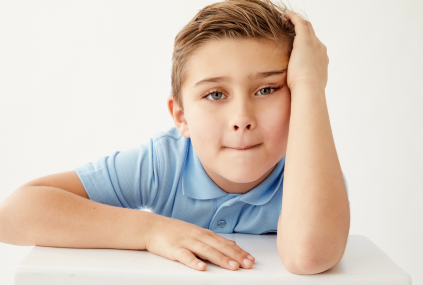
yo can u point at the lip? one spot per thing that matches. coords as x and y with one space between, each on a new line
245 147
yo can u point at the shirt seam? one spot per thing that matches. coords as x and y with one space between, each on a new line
124 203
166 135
157 153
94 181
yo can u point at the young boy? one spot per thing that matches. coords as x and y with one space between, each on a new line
239 82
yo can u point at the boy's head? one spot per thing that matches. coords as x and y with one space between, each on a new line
229 88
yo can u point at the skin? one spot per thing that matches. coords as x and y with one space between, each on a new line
314 222
237 112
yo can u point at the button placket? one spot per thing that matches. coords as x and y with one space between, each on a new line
221 223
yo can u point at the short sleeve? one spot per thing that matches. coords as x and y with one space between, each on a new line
127 179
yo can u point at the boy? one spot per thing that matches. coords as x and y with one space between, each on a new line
239 82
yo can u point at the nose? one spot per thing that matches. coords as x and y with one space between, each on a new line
242 118
241 125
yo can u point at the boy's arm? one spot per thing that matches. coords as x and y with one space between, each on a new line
314 222
50 216
54 211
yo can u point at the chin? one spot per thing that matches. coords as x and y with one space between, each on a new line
240 176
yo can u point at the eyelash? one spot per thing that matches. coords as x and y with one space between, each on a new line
275 88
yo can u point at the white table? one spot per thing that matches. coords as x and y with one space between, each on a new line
362 263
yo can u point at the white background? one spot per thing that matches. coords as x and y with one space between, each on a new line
82 79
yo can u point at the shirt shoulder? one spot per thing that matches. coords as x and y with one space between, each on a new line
136 178
170 134
171 149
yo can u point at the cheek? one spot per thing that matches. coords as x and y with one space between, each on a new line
205 128
275 122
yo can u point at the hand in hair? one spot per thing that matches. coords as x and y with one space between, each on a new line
309 61
185 242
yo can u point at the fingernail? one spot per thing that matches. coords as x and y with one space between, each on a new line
233 263
247 262
201 264
250 257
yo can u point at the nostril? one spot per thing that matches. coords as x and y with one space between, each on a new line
236 128
248 127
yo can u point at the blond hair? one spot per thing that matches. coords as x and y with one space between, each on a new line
229 19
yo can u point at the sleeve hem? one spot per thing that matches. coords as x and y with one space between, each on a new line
89 185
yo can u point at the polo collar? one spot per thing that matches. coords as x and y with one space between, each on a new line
197 184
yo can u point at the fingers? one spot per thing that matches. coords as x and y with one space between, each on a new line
301 29
310 29
232 250
302 26
212 254
312 33
189 259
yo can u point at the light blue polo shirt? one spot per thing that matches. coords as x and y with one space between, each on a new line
166 177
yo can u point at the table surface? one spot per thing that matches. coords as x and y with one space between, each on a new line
363 263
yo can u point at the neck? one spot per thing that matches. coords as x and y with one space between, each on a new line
233 187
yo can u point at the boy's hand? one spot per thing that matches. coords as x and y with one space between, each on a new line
309 61
183 241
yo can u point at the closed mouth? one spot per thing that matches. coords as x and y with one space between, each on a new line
246 147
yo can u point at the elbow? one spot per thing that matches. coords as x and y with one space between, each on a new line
10 230
309 261
308 265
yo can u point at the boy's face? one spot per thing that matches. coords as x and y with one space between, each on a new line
241 109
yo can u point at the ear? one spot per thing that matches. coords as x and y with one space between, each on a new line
178 116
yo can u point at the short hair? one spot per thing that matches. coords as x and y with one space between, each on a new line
229 19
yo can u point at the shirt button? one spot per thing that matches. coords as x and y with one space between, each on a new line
221 223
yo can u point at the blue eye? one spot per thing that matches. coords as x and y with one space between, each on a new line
268 89
215 96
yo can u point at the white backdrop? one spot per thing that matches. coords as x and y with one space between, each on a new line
81 79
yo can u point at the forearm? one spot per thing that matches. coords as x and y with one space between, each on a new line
314 223
47 216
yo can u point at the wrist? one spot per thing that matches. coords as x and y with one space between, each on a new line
308 91
146 223
308 88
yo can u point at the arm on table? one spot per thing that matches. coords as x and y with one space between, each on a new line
55 211
315 217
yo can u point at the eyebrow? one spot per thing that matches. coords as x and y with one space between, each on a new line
259 75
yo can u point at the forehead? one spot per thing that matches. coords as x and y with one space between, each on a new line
235 58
